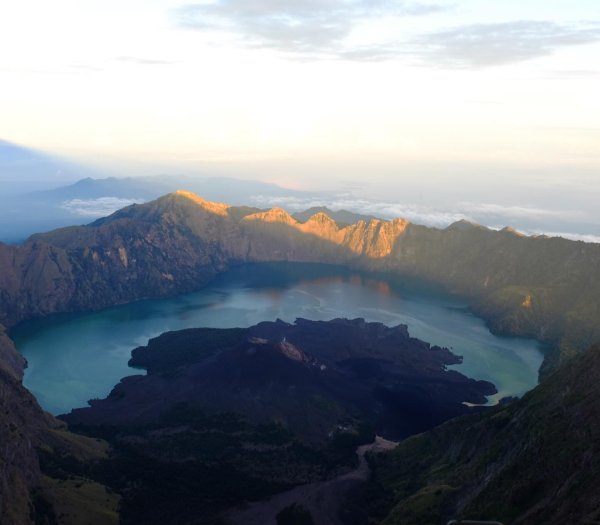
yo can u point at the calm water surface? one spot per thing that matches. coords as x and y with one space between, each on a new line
73 358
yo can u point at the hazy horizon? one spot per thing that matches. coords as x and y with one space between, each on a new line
436 109
535 205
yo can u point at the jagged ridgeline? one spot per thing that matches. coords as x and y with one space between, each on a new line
546 288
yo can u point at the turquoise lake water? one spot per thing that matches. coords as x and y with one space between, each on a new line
74 358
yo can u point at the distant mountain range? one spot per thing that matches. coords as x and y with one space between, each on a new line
68 192
26 212
22 167
235 191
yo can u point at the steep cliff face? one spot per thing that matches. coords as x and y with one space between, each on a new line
537 287
36 280
534 461
20 422
374 239
26 495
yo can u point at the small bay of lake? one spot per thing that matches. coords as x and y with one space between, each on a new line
76 357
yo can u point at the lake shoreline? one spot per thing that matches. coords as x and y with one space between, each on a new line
257 292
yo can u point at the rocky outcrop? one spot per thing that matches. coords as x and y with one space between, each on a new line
374 239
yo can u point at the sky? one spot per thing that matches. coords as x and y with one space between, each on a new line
481 101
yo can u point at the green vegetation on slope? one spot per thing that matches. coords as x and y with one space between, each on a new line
536 460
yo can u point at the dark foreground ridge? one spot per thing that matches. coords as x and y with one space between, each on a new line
536 460
226 416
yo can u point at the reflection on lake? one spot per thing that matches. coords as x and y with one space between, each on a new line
73 358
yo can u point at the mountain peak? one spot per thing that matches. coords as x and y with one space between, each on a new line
321 218
464 225
513 231
273 215
217 208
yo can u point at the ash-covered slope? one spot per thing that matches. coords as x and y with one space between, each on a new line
534 461
308 376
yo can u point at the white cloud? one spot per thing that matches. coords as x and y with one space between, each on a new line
567 235
305 27
325 28
386 210
487 214
484 45
518 212
100 207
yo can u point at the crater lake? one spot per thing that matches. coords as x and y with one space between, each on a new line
76 357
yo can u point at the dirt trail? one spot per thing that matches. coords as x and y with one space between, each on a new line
323 499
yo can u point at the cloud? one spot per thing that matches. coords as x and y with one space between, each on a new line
483 45
297 26
320 28
494 216
97 207
567 235
514 212
575 74
144 61
385 210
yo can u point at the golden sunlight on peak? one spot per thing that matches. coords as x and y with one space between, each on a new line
273 215
375 239
218 208
320 217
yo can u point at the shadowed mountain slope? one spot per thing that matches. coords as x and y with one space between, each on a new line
534 461
28 492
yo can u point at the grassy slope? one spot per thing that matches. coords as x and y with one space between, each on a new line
534 461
